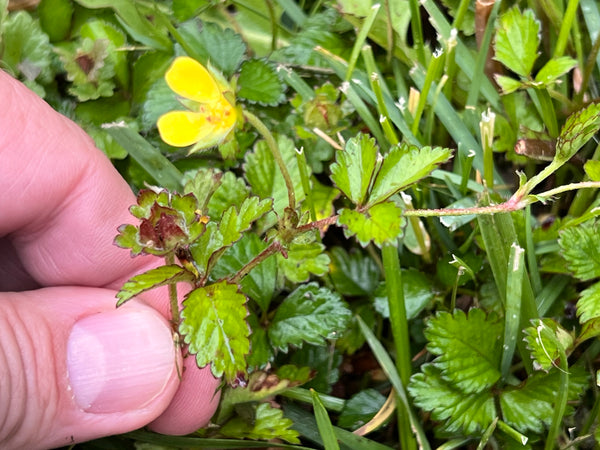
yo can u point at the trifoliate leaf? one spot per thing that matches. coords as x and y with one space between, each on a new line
554 69
577 130
530 406
355 166
304 259
353 274
235 221
403 166
264 177
468 348
268 424
231 191
381 223
507 84
360 408
469 412
259 284
588 306
214 325
546 339
309 314
207 42
152 278
580 246
26 50
259 82
517 40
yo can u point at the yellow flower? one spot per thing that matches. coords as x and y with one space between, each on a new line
210 117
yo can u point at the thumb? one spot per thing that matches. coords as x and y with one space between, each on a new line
74 368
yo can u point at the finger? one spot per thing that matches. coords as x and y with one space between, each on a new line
73 368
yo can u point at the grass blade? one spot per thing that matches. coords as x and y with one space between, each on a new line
512 310
323 423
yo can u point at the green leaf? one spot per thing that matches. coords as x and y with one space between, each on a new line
261 353
148 69
418 294
592 169
381 223
208 43
259 82
325 366
214 325
268 423
235 221
203 185
360 408
353 339
55 18
303 259
353 274
99 29
159 100
231 191
543 340
403 166
580 246
355 166
554 69
578 129
530 406
26 50
517 40
264 176
469 412
152 278
309 314
209 243
324 423
588 305
186 9
259 284
507 84
468 348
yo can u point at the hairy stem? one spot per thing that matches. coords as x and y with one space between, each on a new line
274 247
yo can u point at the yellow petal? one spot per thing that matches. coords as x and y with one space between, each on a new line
190 79
183 128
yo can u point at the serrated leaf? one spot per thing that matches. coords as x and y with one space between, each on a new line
580 246
381 223
468 348
203 184
268 424
588 305
531 405
232 191
127 238
554 69
207 42
259 82
403 166
309 314
264 177
259 284
355 166
214 325
578 129
470 413
235 221
353 274
546 339
507 84
324 364
99 29
152 278
517 40
304 259
360 408
159 100
210 242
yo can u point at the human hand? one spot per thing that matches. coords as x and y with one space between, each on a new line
72 367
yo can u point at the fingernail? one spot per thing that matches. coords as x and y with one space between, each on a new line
119 360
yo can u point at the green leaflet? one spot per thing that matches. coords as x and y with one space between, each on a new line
580 246
309 314
214 325
517 40
467 348
303 259
235 221
546 339
259 82
353 274
382 223
578 129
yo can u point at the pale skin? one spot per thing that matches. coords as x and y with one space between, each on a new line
61 202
